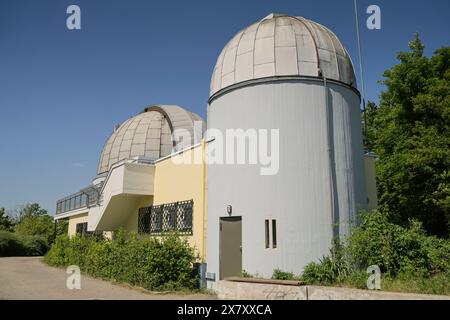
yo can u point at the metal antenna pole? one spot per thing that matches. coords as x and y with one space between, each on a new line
361 70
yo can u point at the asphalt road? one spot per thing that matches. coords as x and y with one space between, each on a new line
29 278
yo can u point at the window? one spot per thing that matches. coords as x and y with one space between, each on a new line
81 228
274 233
144 220
156 219
176 216
267 233
171 218
186 217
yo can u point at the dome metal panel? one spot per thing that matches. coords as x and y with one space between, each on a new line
149 134
281 45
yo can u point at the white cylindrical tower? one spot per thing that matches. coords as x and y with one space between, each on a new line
292 75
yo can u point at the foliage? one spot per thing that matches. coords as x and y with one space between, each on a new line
245 274
30 209
410 132
154 264
32 220
6 223
333 268
397 249
282 275
438 284
409 259
12 244
62 227
33 225
33 231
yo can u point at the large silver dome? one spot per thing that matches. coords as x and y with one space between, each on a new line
281 45
149 134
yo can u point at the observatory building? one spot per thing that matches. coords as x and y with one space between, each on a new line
294 75
139 186
286 76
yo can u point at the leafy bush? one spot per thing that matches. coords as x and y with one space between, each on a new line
33 225
12 244
57 255
317 273
32 220
30 233
282 275
154 264
245 274
331 269
396 249
408 258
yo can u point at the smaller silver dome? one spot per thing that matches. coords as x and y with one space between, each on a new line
281 45
149 134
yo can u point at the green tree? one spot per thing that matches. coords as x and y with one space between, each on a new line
30 209
32 220
410 133
6 223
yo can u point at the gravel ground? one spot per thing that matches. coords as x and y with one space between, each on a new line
29 278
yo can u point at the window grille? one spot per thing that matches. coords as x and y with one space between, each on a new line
160 219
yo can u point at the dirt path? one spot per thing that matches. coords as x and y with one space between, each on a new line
29 278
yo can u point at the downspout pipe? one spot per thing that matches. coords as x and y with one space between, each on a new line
330 151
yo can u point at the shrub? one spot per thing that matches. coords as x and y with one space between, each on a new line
317 273
34 245
408 259
12 244
155 264
396 249
33 225
282 275
245 274
334 268
57 255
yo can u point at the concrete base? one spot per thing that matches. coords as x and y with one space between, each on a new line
262 291
334 293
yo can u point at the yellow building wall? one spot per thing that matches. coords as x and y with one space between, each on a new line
132 222
73 220
183 177
179 177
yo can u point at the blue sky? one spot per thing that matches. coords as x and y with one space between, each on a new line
61 91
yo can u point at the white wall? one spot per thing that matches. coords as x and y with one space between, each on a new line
123 189
308 187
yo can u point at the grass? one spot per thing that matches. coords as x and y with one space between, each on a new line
438 284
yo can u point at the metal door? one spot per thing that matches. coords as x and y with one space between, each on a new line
230 247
